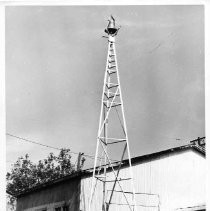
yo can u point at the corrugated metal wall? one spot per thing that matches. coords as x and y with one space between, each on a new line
64 192
176 180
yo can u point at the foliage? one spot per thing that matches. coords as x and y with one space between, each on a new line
25 174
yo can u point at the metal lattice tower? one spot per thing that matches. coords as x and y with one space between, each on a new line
105 167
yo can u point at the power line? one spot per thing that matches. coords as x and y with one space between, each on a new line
52 147
44 145
24 139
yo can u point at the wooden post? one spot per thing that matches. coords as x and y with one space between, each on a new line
79 161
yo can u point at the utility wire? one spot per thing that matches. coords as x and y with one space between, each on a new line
44 145
76 153
20 138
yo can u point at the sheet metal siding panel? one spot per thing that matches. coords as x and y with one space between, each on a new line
178 179
68 191
181 179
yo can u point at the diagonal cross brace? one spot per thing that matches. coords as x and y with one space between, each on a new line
107 114
105 152
118 171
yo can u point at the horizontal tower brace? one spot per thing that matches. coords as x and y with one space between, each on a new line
151 194
140 205
113 142
118 180
118 139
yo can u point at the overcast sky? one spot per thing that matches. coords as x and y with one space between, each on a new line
55 62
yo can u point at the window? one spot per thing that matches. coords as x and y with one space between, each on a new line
62 208
65 208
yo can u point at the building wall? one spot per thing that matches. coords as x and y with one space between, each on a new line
177 180
170 182
50 197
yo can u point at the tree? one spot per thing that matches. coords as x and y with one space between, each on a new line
25 174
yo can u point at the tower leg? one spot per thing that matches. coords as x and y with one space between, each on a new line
111 100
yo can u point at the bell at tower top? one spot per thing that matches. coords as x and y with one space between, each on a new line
111 28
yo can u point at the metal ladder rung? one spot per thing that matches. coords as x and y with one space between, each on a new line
111 95
117 104
112 86
111 61
114 102
110 67
111 55
111 72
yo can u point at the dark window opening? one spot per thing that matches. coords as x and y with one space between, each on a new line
65 208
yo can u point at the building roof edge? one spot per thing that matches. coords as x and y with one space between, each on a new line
134 160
